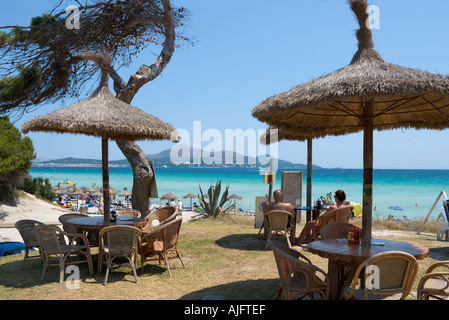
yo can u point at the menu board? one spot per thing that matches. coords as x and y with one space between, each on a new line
291 186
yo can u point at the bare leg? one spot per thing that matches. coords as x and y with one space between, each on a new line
305 231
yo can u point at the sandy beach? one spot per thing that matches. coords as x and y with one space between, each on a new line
30 207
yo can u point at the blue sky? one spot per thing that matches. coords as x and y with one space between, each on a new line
246 51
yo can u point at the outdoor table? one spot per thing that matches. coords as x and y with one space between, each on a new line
311 212
341 254
93 225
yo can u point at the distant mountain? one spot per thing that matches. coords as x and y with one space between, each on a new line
163 158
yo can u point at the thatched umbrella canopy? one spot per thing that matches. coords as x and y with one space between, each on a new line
169 196
191 196
126 193
235 197
103 115
369 94
77 192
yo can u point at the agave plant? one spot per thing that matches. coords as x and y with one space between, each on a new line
211 204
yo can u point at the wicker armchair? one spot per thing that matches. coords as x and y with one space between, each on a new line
278 223
52 242
397 271
161 242
435 284
160 217
67 227
299 277
129 213
341 214
336 230
27 230
118 241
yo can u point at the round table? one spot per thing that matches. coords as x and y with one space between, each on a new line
341 254
93 225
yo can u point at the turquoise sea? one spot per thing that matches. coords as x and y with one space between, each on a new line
413 190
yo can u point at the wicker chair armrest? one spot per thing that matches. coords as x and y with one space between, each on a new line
73 236
441 264
443 276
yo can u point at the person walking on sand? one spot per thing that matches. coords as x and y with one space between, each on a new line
340 197
179 207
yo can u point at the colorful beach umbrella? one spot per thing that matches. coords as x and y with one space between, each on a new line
369 94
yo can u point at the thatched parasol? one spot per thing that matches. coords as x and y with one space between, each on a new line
235 197
103 115
191 196
369 94
169 196
126 193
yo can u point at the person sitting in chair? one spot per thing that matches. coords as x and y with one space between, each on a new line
278 204
340 197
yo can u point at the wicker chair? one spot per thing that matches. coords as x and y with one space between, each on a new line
299 277
160 217
27 230
161 242
118 241
52 242
336 230
278 223
93 242
396 272
435 284
129 213
341 214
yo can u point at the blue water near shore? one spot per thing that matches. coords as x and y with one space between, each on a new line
413 190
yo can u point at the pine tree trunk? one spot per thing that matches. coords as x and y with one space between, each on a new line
142 170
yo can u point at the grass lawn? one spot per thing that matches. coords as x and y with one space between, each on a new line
223 256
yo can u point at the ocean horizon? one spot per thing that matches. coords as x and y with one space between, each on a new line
414 190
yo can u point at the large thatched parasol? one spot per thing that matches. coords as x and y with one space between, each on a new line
103 115
369 94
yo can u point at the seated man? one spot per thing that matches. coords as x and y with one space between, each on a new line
278 204
340 197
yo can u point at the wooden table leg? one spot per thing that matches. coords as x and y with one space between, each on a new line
334 272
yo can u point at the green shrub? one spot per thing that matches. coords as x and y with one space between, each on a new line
40 187
212 206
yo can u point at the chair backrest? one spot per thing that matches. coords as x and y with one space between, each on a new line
278 219
129 213
84 209
27 230
66 226
167 234
162 215
120 240
336 230
50 239
291 263
396 272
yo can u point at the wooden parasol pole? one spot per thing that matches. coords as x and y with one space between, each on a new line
367 172
105 165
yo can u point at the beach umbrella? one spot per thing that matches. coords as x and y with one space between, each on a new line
169 196
77 192
369 94
102 115
191 196
126 193
235 197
